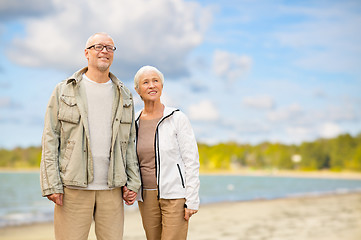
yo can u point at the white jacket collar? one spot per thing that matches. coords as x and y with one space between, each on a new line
167 111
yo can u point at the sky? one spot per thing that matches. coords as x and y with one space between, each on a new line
241 70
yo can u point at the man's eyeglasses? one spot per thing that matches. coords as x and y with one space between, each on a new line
100 47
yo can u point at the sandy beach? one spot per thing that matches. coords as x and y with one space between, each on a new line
330 217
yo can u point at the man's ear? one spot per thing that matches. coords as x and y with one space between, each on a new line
86 53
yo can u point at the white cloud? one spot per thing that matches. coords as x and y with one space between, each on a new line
347 112
138 102
6 102
168 100
329 130
298 134
326 39
264 102
24 8
344 111
159 32
289 113
231 66
203 111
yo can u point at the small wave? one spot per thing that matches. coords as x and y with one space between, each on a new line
16 219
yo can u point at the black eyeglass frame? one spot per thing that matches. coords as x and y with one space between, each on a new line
107 47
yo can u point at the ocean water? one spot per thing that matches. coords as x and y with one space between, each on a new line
21 201
247 188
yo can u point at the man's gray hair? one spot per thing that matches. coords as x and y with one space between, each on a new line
147 69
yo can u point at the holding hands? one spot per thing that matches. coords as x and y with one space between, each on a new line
129 196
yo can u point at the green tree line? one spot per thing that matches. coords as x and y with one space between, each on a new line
336 154
20 157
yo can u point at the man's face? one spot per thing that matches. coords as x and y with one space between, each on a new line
100 60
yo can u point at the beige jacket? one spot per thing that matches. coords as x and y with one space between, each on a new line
66 155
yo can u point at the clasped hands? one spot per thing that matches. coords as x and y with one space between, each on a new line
129 198
128 195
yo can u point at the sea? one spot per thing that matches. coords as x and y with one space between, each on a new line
21 201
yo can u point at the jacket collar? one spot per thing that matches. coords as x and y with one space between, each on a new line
166 112
78 76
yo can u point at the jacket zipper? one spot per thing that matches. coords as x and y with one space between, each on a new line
180 174
157 155
156 150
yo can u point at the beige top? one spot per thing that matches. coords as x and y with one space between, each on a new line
145 151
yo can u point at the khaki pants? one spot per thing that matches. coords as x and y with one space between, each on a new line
163 219
72 221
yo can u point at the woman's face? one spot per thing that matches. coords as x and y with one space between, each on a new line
150 86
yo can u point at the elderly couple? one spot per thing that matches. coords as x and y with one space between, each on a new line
96 153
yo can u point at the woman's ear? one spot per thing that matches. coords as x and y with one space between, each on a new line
137 90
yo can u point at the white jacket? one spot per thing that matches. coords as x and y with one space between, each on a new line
176 158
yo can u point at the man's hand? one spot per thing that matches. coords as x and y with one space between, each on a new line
129 196
57 198
188 213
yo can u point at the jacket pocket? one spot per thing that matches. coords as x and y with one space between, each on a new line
180 174
67 155
127 111
68 110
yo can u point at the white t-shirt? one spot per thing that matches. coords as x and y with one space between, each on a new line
100 97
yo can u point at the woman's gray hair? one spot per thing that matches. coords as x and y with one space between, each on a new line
147 69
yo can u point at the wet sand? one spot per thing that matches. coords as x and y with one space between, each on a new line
329 217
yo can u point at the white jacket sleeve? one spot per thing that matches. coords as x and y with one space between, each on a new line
189 154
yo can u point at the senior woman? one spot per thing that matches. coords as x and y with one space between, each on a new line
168 160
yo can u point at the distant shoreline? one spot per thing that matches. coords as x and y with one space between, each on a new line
20 170
245 172
287 173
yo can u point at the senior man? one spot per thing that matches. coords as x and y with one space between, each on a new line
88 149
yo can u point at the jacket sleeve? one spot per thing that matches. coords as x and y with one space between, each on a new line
50 180
132 167
189 153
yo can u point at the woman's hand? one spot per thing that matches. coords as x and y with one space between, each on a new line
129 196
188 213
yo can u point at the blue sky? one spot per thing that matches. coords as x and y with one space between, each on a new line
242 70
